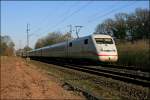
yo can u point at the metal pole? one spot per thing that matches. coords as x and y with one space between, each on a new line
27 39
70 31
77 30
70 28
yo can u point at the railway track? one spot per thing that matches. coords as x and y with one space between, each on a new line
110 65
129 76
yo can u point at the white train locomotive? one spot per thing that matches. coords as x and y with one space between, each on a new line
93 47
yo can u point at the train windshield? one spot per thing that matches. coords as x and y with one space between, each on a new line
104 41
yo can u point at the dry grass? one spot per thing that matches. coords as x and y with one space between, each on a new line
77 78
134 54
106 88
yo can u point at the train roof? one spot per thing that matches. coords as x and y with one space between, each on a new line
101 36
61 43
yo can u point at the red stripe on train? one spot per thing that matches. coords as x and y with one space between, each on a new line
105 55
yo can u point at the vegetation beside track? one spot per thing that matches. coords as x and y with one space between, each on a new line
134 54
99 86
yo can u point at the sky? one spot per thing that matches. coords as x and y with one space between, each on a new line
52 16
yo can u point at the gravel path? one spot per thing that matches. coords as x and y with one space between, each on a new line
22 81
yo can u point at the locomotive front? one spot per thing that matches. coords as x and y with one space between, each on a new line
106 49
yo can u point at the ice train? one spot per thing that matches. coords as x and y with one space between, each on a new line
94 47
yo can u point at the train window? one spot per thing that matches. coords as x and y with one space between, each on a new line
70 44
86 41
104 41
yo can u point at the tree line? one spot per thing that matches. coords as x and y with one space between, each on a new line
6 46
134 25
52 38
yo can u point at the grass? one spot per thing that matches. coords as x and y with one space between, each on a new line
134 54
77 78
99 86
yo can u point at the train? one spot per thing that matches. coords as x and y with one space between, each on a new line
95 47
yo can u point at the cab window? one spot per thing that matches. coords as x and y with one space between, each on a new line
86 41
103 40
70 44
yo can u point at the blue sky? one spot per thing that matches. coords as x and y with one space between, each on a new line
49 16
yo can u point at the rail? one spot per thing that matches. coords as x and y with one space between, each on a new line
129 76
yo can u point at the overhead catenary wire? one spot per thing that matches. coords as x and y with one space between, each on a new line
69 16
67 11
98 11
89 21
78 10
109 12
41 22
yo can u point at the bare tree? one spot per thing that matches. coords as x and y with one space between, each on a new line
52 38
135 24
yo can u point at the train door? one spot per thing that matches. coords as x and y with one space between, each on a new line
66 49
69 49
41 53
79 49
85 48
